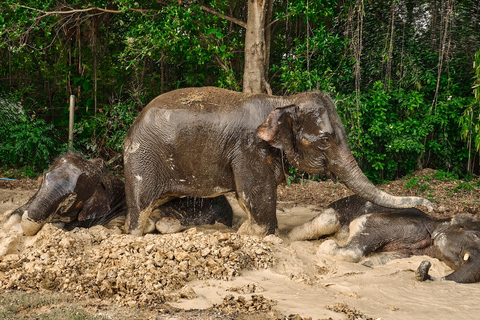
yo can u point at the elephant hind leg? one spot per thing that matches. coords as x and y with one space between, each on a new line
252 226
141 221
359 244
142 193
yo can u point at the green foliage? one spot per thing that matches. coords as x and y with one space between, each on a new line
398 127
312 64
26 141
464 187
296 176
470 119
419 183
445 176
29 142
188 42
104 133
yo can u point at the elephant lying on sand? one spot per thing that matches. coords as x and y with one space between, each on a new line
204 142
82 193
365 227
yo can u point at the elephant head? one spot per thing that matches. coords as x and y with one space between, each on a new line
75 189
313 138
457 243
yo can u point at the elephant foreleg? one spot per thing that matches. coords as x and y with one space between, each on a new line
359 244
257 196
325 223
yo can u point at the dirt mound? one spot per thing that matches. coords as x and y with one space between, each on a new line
101 263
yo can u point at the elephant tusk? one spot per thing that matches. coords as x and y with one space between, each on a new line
466 256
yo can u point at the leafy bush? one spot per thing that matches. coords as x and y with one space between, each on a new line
103 134
394 132
26 141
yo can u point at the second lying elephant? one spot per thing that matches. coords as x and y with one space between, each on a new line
364 227
79 192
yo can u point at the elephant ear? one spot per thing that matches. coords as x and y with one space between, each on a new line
96 206
278 128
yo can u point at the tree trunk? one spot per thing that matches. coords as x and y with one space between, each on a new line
255 46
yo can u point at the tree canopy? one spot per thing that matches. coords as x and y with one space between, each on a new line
404 73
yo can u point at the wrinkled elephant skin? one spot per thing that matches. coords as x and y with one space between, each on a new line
364 228
75 191
82 193
203 142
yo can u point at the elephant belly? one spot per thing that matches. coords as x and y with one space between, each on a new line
198 176
200 166
201 185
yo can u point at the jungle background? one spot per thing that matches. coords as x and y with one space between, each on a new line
405 74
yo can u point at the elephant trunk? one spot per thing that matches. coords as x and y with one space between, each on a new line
41 206
347 170
30 226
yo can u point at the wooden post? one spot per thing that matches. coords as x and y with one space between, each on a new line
70 122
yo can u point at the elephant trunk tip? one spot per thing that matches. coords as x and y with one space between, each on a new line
417 201
430 206
29 227
421 274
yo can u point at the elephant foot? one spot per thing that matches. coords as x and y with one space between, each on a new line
328 247
168 225
422 271
252 229
117 222
149 219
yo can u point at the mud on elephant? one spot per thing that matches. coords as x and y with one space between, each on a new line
77 192
362 227
204 142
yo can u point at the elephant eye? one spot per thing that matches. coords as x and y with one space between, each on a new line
324 144
323 141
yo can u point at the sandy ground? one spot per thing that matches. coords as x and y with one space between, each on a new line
210 272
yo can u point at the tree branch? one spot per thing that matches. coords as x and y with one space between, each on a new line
204 8
239 22
47 13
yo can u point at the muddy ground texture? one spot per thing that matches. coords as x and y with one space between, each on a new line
100 273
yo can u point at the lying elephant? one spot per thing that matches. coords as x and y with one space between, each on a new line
204 142
365 227
82 193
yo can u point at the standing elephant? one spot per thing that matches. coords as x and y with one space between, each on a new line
204 142
363 227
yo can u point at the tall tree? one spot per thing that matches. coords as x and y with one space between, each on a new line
256 47
257 43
